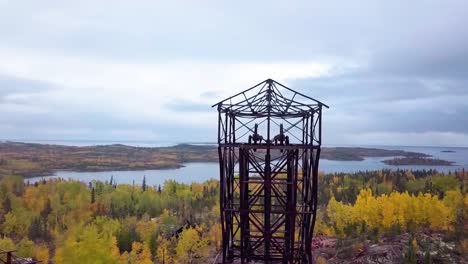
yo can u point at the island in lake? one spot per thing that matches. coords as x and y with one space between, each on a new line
417 161
30 160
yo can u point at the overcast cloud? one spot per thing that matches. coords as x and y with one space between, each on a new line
393 72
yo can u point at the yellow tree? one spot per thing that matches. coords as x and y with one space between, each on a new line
191 245
140 254
6 244
216 235
453 200
439 215
16 223
388 213
367 209
164 251
41 253
87 245
339 215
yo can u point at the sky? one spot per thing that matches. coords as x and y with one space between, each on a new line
392 72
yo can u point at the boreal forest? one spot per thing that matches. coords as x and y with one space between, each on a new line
408 216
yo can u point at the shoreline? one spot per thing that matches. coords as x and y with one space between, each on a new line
35 160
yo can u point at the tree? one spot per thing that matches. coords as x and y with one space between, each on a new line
87 245
6 244
339 215
16 223
93 195
6 205
191 245
216 235
128 235
41 253
38 230
46 210
163 251
143 186
25 248
140 254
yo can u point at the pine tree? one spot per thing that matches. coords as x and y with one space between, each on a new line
47 209
93 195
6 205
35 229
143 186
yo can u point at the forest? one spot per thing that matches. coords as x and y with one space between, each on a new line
64 221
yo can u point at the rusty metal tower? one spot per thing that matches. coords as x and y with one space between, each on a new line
269 140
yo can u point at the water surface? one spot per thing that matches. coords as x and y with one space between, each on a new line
203 171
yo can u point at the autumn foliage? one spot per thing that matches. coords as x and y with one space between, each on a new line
104 222
400 211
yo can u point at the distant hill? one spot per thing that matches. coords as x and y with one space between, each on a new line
30 159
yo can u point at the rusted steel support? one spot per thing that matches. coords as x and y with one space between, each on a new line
269 141
9 257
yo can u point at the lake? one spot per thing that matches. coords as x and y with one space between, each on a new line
203 171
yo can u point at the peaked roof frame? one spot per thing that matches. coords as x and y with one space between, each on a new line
266 99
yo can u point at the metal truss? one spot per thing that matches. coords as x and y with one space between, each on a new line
9 257
269 141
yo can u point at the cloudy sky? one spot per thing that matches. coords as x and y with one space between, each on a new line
393 72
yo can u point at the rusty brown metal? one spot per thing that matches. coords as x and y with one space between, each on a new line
9 257
269 141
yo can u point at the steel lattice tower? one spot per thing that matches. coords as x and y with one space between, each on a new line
269 139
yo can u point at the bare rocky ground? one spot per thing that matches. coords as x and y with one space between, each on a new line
428 248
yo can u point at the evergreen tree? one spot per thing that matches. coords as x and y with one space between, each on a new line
93 195
47 210
6 205
126 236
35 231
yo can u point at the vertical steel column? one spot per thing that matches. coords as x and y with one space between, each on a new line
288 226
222 166
244 202
267 199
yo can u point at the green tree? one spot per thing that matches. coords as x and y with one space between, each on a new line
127 235
25 248
93 195
87 245
6 205
6 244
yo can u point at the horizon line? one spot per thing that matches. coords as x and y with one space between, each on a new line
173 143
